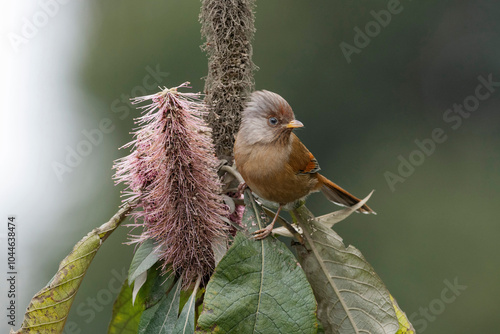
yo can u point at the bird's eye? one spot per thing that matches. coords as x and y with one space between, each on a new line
273 121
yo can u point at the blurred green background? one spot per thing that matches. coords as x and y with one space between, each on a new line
438 225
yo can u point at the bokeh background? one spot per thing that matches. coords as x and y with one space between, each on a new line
82 64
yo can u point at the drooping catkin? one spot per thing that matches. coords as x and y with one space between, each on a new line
171 173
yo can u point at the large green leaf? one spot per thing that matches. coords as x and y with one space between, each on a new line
49 308
258 287
351 297
164 319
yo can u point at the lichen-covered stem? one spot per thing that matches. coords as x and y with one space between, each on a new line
228 29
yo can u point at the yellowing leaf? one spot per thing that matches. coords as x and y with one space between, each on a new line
49 308
126 315
405 327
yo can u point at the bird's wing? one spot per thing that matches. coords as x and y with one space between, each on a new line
301 160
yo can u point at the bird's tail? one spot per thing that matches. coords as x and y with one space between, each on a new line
339 196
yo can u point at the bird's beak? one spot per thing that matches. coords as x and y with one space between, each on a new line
294 124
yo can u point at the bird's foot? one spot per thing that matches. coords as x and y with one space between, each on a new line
263 233
241 188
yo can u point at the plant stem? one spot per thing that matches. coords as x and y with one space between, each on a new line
233 172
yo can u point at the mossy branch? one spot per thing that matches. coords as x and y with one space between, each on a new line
228 30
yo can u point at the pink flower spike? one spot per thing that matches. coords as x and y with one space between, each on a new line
171 173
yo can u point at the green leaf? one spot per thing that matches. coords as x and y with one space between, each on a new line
159 287
162 283
126 316
130 317
144 258
258 287
146 318
405 327
165 317
351 297
49 308
185 322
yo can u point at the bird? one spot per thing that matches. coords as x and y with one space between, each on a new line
274 163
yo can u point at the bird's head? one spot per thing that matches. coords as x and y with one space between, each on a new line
268 118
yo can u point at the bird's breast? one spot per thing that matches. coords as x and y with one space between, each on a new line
266 171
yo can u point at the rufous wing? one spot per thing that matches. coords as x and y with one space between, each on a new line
301 160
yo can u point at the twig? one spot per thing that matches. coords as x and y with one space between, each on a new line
116 220
286 224
249 193
233 172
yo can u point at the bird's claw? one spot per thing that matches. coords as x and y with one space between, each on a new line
263 233
241 187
